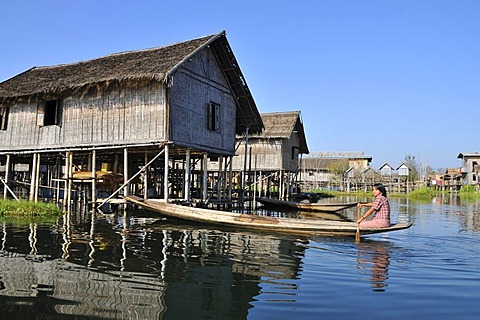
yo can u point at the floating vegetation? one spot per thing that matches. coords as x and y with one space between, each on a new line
23 208
423 193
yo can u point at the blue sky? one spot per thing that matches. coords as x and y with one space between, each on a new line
387 77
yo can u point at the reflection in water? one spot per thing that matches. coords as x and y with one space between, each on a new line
140 266
373 257
135 265
119 266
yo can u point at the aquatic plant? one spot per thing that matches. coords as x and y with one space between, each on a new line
423 192
25 208
468 189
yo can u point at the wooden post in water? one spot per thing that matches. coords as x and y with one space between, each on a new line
65 189
7 176
126 190
220 179
280 186
230 179
165 173
37 178
69 179
94 178
225 179
145 179
205 178
32 177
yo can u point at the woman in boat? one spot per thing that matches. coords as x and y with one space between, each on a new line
380 206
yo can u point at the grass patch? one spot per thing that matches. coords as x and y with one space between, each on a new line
422 193
23 208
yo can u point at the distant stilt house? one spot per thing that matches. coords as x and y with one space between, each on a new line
387 174
268 162
453 179
335 170
470 168
386 171
404 183
323 173
133 122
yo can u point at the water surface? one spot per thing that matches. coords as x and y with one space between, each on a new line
137 265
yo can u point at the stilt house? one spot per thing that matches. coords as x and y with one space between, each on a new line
137 121
270 159
470 167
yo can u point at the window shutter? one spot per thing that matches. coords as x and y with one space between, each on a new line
210 116
217 117
3 117
58 111
41 113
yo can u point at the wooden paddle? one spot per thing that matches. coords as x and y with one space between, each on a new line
357 234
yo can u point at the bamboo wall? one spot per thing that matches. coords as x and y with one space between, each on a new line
97 115
267 152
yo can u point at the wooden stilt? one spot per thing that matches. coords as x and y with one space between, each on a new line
186 192
37 178
230 179
165 174
7 176
94 177
126 190
205 178
65 190
145 179
69 179
224 178
280 186
219 182
33 178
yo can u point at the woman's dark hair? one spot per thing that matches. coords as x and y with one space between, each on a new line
380 187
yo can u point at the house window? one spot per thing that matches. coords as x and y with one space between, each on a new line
213 117
49 112
3 117
294 152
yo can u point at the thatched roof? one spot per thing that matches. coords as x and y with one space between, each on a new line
156 63
323 164
352 155
282 125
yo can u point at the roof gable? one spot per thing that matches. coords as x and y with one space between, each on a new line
403 165
468 155
386 166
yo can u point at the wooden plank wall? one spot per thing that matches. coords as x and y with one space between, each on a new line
196 84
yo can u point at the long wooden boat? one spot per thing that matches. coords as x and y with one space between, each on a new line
252 221
325 207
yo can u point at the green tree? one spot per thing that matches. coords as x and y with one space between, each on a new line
412 163
338 168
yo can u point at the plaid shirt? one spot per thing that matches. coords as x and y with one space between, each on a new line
381 207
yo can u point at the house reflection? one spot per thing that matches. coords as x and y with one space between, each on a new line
115 265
